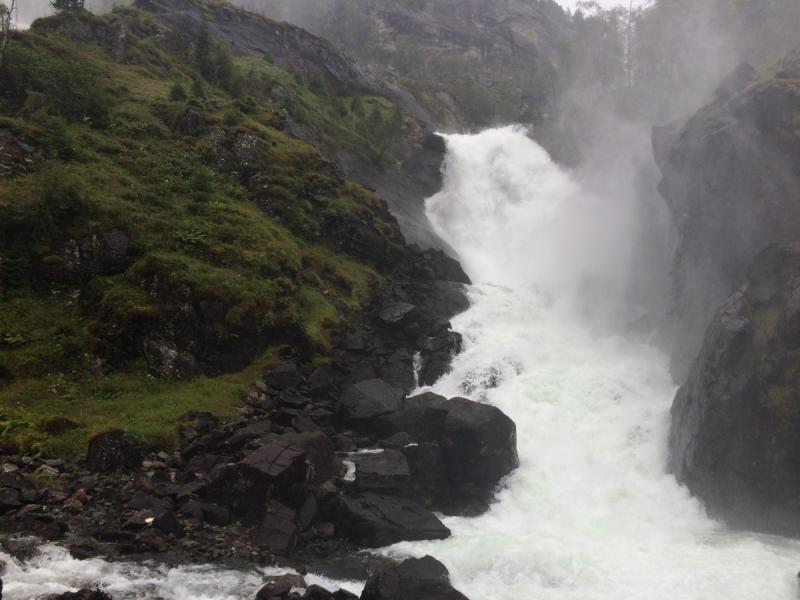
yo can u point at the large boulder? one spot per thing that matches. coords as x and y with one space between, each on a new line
112 450
480 448
735 436
279 529
273 470
414 579
383 472
375 520
369 399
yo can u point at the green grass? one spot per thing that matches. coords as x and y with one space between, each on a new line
253 245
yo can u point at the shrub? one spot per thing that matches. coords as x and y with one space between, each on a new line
269 58
177 93
317 85
232 117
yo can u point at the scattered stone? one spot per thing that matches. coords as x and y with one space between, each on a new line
112 450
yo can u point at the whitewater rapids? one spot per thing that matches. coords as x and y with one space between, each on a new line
590 514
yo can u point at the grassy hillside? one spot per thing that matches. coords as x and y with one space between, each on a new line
226 209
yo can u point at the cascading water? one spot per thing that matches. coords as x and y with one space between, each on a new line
590 514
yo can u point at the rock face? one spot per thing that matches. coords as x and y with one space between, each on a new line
291 47
731 178
735 437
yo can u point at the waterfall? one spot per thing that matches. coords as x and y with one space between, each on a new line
591 512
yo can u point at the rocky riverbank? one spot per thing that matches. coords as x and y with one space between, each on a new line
318 465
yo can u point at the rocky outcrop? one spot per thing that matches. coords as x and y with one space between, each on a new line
76 261
413 579
735 438
404 191
18 155
731 179
292 48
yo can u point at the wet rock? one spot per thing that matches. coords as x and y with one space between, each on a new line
734 436
112 450
398 370
369 399
83 551
169 524
398 314
434 367
279 585
283 461
384 472
21 548
422 417
40 527
284 376
427 483
279 529
480 448
85 594
374 520
413 579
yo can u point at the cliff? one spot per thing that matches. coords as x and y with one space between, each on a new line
731 179
734 439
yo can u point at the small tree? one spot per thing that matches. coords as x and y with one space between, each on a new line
67 5
202 52
6 13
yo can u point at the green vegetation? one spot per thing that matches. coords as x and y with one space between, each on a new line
117 153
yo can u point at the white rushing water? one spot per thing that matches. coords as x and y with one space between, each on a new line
590 514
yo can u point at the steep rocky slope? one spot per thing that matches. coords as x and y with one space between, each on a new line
734 440
731 179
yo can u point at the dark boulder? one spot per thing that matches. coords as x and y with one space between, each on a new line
735 435
398 370
398 314
10 499
434 367
375 520
85 594
427 482
279 529
480 448
112 450
414 579
384 472
422 417
369 399
284 376
283 461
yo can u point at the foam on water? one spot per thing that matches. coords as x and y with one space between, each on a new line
54 571
590 513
